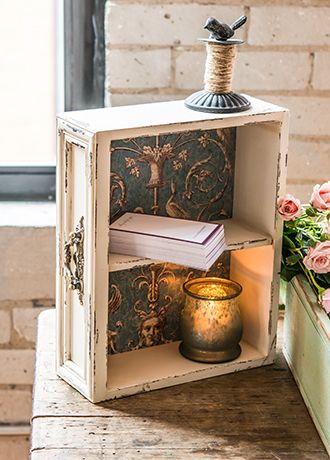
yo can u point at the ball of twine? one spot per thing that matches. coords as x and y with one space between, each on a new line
219 67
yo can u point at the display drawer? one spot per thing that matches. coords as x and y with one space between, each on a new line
162 159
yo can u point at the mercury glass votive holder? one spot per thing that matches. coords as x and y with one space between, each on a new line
211 326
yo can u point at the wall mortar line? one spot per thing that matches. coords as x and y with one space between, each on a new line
311 75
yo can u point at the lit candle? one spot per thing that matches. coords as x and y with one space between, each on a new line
211 326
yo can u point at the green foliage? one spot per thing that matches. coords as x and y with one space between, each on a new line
298 236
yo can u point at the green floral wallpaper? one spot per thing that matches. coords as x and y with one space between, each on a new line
145 303
189 175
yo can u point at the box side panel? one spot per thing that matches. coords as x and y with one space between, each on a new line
74 259
260 174
253 269
257 156
160 116
99 300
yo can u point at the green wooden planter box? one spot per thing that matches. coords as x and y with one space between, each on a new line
307 351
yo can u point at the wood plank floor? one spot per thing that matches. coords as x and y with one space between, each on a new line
250 415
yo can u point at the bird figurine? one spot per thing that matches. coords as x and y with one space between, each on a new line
221 31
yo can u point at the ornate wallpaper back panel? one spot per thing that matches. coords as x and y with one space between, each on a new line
188 175
145 303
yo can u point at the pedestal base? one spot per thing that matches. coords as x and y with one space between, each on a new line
202 356
204 101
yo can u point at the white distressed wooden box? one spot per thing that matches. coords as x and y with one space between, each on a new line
89 144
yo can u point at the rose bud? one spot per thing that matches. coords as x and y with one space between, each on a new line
288 207
320 198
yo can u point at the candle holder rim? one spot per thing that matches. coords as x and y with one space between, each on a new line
233 41
212 278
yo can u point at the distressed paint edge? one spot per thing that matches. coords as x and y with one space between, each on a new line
204 125
281 174
230 368
99 315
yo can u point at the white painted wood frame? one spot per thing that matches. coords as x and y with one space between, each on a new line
253 236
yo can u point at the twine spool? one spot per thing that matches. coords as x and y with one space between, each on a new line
219 67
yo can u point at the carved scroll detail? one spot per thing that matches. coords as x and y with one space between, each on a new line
114 303
74 260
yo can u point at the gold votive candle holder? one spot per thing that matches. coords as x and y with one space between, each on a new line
211 326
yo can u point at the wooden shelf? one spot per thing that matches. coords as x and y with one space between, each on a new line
238 236
156 367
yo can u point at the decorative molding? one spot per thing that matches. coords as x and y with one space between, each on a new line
74 260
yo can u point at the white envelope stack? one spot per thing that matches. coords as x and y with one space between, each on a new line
183 242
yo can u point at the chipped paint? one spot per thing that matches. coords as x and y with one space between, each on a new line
90 168
80 146
60 255
95 220
74 129
270 320
90 338
66 169
96 158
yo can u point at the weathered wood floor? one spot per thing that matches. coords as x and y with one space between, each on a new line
250 415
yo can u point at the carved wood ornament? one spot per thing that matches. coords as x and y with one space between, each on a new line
74 260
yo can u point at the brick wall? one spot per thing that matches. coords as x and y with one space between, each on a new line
152 54
27 286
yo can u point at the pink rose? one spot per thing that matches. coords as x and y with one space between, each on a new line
320 198
288 207
318 258
325 301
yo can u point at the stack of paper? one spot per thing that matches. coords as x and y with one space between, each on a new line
183 242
